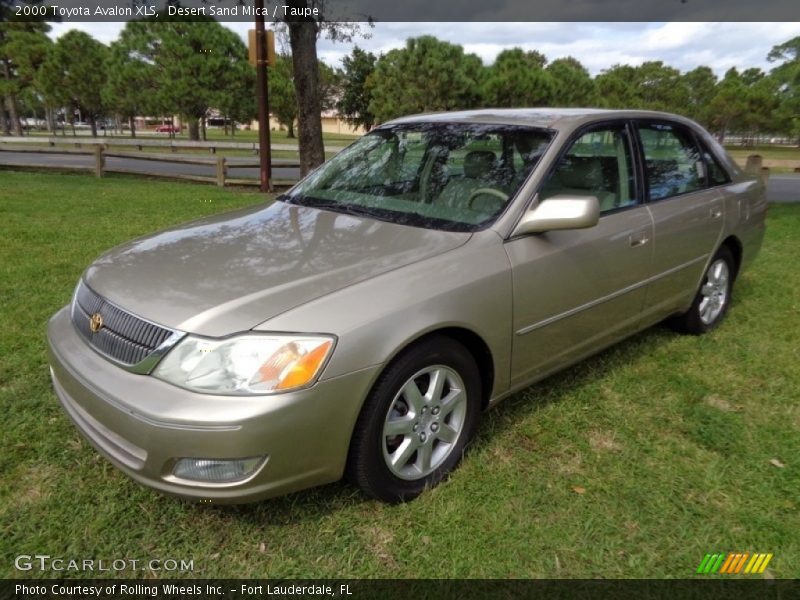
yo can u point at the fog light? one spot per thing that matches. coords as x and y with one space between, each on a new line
214 470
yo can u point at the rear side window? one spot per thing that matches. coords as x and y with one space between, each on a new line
673 161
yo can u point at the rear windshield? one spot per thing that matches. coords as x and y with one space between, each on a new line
450 176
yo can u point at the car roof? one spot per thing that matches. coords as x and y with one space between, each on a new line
551 118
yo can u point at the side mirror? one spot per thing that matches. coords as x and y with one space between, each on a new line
560 212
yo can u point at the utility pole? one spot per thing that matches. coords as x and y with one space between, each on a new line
263 99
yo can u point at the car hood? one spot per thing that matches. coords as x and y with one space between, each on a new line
231 272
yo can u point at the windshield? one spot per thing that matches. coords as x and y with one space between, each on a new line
450 176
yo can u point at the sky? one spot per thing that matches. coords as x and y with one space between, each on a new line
597 45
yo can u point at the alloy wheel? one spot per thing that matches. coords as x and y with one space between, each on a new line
424 422
714 292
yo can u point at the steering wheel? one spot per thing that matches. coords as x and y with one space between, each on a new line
486 192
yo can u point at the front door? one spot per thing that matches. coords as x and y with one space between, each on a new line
577 291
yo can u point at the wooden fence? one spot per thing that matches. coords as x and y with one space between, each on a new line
221 165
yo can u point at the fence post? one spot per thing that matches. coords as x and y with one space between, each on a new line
99 161
222 171
754 164
764 175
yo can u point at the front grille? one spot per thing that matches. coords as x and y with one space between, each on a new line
124 337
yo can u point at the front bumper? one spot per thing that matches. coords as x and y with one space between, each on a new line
144 425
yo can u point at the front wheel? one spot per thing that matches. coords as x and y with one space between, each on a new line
713 298
417 421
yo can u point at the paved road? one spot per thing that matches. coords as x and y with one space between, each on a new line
782 187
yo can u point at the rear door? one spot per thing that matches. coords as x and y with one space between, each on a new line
577 291
687 214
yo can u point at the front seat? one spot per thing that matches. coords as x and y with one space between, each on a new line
478 165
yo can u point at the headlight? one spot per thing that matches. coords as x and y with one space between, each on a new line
246 364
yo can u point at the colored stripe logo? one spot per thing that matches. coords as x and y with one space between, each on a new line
734 562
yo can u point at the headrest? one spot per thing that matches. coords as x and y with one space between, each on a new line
478 163
582 173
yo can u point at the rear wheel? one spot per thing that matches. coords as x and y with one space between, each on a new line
713 298
417 421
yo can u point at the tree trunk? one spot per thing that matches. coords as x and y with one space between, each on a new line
14 114
132 123
11 104
203 125
194 129
93 123
290 130
303 40
51 121
4 117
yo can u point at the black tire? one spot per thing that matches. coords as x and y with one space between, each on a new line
693 321
367 465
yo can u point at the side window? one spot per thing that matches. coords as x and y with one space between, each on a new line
673 162
597 164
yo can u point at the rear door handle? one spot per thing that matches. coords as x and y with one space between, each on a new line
638 239
716 212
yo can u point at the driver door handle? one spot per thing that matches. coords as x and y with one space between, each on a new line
638 239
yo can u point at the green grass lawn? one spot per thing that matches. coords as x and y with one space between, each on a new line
635 463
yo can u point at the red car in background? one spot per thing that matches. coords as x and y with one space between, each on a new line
167 129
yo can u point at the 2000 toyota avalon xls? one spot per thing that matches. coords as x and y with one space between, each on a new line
362 322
